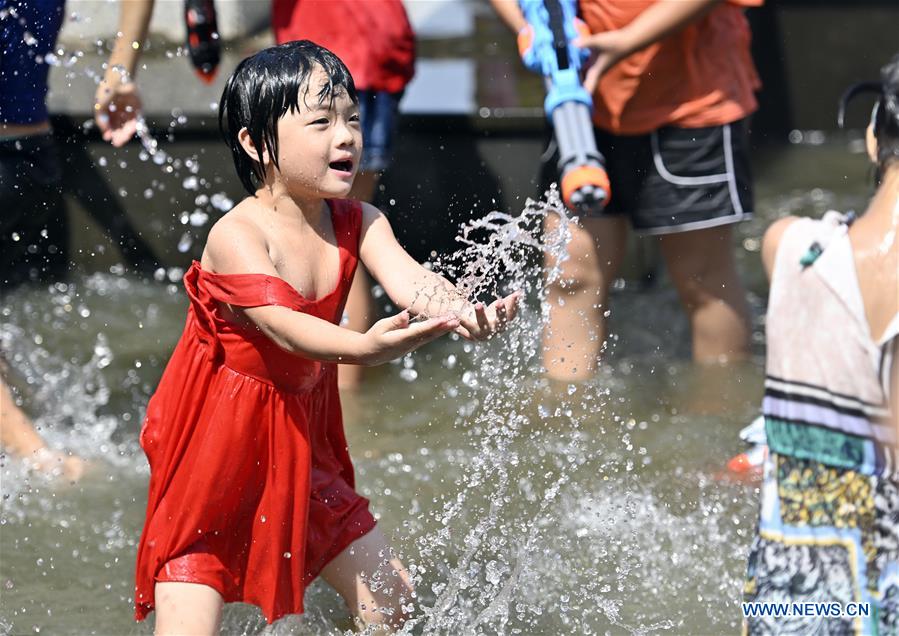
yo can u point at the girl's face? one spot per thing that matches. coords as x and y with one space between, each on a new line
320 145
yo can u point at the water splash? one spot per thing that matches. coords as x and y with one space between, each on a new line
499 254
486 544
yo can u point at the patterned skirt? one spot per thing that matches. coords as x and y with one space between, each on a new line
825 535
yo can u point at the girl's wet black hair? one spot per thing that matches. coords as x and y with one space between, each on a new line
886 113
263 88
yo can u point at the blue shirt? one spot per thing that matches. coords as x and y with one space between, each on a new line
28 30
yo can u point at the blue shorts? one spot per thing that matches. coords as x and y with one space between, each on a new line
378 111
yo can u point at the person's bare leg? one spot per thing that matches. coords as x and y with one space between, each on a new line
372 581
17 435
16 430
702 267
359 308
573 339
187 609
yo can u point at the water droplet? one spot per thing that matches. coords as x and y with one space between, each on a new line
185 242
221 202
198 218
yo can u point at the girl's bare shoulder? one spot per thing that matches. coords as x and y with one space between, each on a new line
237 232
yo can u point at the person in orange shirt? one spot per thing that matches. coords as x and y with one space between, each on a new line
673 83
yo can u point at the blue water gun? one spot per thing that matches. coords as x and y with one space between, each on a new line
546 47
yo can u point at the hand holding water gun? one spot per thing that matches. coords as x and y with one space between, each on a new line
661 19
548 45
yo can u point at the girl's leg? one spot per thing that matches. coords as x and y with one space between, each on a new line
373 582
187 609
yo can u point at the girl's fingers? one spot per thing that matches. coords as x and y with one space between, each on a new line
399 321
510 304
431 329
480 314
501 314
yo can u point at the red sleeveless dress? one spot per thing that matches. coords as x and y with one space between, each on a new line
251 485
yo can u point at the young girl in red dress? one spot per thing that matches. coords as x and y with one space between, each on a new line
251 488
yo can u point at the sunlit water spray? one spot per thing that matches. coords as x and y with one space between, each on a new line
526 514
529 514
484 568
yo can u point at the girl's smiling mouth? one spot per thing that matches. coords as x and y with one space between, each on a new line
343 165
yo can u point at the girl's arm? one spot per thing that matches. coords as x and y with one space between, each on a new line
237 246
421 291
117 104
771 241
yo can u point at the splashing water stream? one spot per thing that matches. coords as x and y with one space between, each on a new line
520 506
497 547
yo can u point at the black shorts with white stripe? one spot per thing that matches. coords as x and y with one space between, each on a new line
679 179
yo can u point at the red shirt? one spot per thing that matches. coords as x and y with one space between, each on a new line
372 37
702 75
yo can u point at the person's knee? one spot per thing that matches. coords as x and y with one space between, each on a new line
707 286
577 278
594 256
580 272
694 292
703 279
